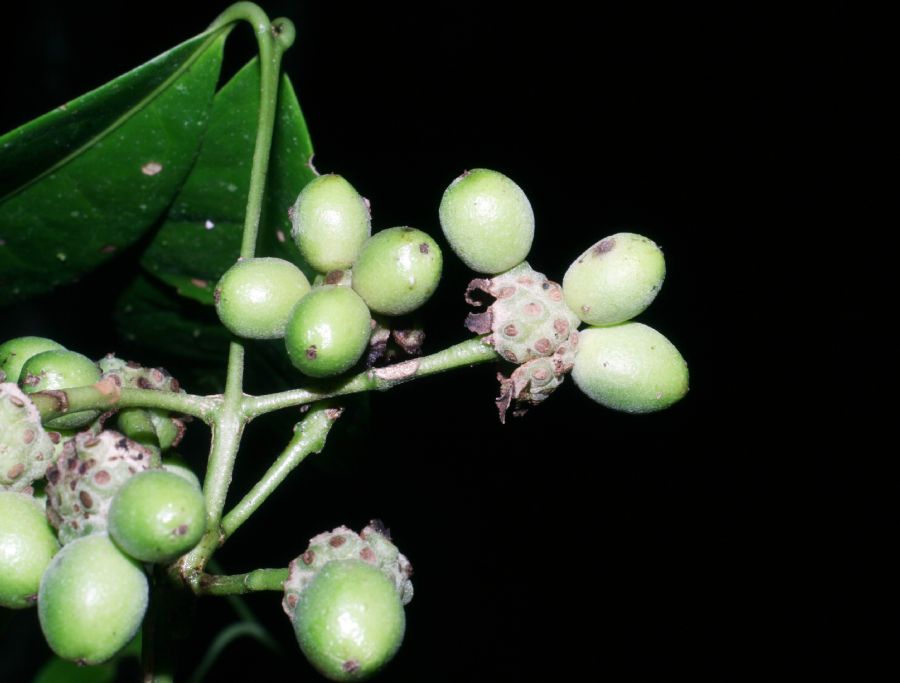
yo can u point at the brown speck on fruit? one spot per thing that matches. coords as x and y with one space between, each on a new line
151 168
510 330
90 443
292 601
561 325
525 280
181 530
53 475
217 296
86 499
423 248
556 293
102 477
506 292
122 443
31 381
542 345
367 555
586 308
15 471
309 557
351 666
144 383
532 308
16 401
175 385
334 277
311 352
510 356
604 246
28 436
541 374
337 541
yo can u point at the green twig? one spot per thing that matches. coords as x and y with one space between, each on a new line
471 352
309 437
238 584
107 396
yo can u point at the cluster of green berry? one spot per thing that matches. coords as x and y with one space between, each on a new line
82 506
327 326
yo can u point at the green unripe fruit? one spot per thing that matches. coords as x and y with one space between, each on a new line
629 367
614 280
27 544
328 331
61 370
330 222
397 270
488 221
92 600
349 622
26 450
15 352
157 516
255 297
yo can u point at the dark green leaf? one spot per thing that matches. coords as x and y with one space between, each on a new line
201 236
87 179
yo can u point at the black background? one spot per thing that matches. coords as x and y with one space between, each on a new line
712 539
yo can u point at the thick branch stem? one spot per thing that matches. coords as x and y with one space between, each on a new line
105 395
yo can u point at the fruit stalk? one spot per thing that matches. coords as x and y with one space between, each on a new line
239 584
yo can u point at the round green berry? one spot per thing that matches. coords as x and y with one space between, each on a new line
488 221
255 297
397 270
92 600
328 331
629 367
27 544
330 222
349 621
614 280
15 352
61 370
157 516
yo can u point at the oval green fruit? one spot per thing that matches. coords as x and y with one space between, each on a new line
255 297
629 367
27 544
15 352
328 331
397 270
330 222
614 280
61 370
349 621
92 600
488 221
157 516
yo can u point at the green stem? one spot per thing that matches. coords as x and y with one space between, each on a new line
309 437
467 353
106 396
237 584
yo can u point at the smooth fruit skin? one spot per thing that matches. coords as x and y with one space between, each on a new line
397 270
629 367
15 352
328 331
488 221
61 370
27 544
175 464
255 297
330 222
614 280
157 516
349 622
92 600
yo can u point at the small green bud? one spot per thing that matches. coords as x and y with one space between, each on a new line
614 280
629 367
61 370
15 352
330 222
157 516
328 331
488 221
27 544
255 297
397 270
92 600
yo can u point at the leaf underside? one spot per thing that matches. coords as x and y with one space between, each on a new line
82 182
